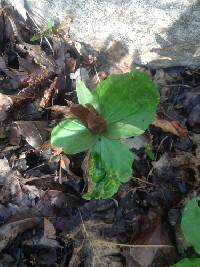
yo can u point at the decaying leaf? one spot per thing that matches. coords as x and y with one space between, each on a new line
63 28
33 131
5 104
5 169
11 230
48 95
89 117
64 162
173 127
49 229
183 160
154 234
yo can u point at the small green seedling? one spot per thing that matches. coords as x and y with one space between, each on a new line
47 31
190 226
149 152
121 106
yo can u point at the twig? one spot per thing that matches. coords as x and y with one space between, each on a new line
131 245
160 146
142 181
97 74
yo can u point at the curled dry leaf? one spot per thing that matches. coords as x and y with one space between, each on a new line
173 127
64 162
89 117
49 93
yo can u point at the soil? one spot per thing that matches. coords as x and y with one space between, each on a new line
44 221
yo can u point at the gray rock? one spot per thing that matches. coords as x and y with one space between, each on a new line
126 32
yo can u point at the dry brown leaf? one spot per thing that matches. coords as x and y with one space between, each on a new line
64 162
49 229
89 117
48 95
173 127
63 28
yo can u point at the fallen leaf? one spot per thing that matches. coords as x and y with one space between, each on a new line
64 162
13 191
173 127
48 95
5 169
153 232
63 28
33 131
49 229
182 160
11 230
5 103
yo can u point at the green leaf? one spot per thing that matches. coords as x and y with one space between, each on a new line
84 95
50 24
190 223
35 37
128 98
107 169
73 136
193 262
112 152
121 130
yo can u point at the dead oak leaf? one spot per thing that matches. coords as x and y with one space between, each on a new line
173 127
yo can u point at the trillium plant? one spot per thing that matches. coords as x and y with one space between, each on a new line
120 107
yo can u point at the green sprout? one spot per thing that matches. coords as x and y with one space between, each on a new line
149 152
47 31
121 106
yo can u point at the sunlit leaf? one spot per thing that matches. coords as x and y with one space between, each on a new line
190 223
84 95
73 136
128 98
121 130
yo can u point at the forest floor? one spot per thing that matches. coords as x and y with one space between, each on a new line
43 219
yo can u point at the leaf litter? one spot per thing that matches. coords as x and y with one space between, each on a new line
43 219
